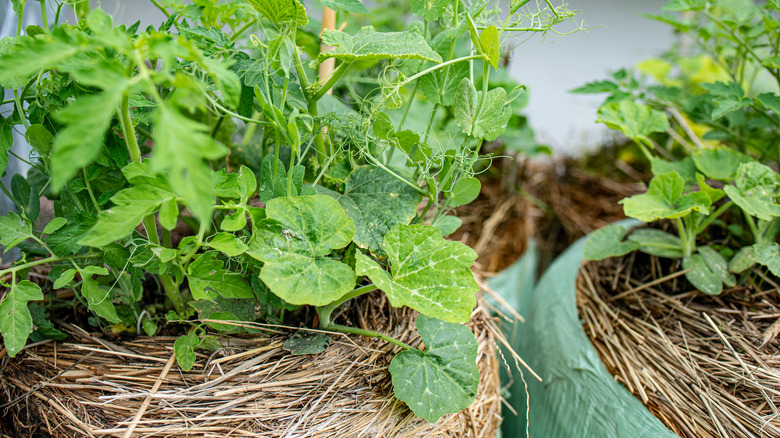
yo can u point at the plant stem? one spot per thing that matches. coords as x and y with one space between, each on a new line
150 224
408 106
325 311
757 238
687 251
20 108
161 8
373 334
713 216
44 17
377 163
14 269
241 30
434 68
89 190
127 129
334 77
172 292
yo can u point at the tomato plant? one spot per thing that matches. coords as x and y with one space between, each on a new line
204 171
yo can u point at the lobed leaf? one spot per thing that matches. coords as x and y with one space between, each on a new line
370 45
755 190
429 274
281 11
347 5
429 10
721 163
444 378
637 121
664 199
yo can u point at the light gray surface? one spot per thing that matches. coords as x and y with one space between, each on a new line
551 68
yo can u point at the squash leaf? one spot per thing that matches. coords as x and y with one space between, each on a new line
370 45
608 242
664 199
756 190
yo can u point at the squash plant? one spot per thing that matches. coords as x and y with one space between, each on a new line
200 171
709 123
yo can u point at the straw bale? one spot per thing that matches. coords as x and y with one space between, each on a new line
705 366
88 386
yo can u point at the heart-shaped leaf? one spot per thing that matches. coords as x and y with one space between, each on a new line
444 378
701 276
608 242
429 274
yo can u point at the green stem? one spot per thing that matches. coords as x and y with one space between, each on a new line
334 77
172 292
434 68
44 17
241 30
373 334
53 259
161 8
250 130
127 129
89 190
150 224
713 216
752 224
20 109
687 251
290 174
325 312
408 107
377 163
166 238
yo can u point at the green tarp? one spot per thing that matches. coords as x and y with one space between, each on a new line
577 398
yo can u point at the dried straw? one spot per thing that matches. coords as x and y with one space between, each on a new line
251 387
705 366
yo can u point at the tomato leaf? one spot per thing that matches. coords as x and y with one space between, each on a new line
429 274
444 378
184 349
14 231
15 320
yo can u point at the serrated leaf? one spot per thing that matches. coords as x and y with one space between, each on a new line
714 194
98 298
717 265
21 57
131 205
376 201
228 244
658 243
743 260
756 190
184 349
686 168
637 121
608 242
54 225
181 148
664 199
302 343
727 97
441 86
65 241
87 120
720 163
465 105
429 274
293 242
770 100
597 87
15 320
14 231
347 5
490 44
444 378
464 191
370 45
769 256
429 10
281 11
700 275
206 277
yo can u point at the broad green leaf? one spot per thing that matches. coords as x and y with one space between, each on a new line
227 185
14 231
184 349
448 225
714 194
685 168
247 183
608 242
637 121
444 378
465 105
441 86
700 275
727 97
376 201
769 256
87 120
206 276
429 10
347 5
66 240
181 146
370 45
15 320
169 214
234 221
270 187
658 243
39 138
293 242
464 191
64 279
98 298
227 244
491 123
743 260
756 190
281 11
490 44
717 265
429 274
303 342
720 163
54 225
131 205
664 199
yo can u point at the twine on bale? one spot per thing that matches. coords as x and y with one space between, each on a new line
705 366
251 387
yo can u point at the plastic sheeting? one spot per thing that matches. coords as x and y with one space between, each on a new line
578 397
